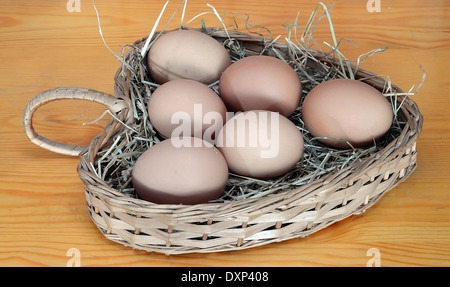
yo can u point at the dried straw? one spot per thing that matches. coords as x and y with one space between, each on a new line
115 164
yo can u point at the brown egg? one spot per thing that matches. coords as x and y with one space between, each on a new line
260 144
170 173
187 54
186 108
346 110
260 83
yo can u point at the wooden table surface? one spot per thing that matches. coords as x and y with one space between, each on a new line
43 214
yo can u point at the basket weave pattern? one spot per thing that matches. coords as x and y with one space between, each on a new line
213 227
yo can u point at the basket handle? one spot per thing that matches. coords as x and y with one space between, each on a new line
114 104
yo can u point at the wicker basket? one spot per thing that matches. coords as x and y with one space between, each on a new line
214 227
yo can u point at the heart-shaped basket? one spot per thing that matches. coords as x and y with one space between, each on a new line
236 224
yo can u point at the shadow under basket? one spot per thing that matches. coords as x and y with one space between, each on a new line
233 225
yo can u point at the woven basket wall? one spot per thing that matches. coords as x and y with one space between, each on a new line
213 227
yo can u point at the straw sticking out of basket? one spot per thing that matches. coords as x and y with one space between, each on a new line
312 67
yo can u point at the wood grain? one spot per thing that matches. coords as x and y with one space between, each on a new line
42 206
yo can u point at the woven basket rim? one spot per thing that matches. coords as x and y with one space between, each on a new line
107 197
